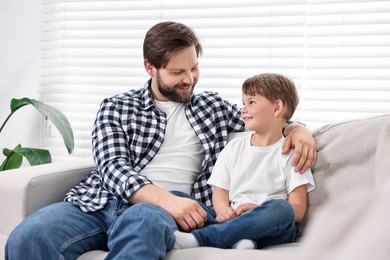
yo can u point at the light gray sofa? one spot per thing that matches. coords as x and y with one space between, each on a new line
348 215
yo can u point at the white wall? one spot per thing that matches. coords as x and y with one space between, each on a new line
19 70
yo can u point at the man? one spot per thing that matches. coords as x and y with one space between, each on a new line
146 143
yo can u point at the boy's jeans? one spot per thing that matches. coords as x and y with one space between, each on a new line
271 223
63 231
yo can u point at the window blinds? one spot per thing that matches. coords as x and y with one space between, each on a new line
337 52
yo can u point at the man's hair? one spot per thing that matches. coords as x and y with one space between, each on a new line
164 39
273 86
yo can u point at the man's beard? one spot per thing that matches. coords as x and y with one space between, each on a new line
171 93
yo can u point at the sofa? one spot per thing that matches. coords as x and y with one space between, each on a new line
348 215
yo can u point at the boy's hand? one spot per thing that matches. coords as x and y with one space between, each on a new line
244 208
226 214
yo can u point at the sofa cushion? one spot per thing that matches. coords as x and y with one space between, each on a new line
279 252
352 155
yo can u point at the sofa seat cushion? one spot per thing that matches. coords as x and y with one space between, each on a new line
279 252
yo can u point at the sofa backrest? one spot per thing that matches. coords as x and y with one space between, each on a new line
352 155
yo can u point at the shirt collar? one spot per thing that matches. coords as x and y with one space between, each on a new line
147 96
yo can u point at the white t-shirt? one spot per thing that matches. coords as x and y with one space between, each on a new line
178 162
256 174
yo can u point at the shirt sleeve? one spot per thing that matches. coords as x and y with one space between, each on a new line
220 176
111 153
296 179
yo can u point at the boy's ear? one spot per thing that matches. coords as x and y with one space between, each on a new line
278 108
149 68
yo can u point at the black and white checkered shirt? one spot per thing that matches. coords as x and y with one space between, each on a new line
129 131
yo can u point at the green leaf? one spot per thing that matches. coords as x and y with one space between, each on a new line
18 103
12 160
33 155
53 114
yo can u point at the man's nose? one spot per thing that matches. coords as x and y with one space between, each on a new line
188 78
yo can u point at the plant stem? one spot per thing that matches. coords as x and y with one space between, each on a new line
6 120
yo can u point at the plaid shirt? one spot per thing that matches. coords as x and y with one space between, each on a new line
129 131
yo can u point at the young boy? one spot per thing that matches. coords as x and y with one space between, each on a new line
258 198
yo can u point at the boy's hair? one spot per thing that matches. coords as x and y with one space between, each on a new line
164 39
273 86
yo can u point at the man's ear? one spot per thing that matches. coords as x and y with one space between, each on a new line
278 108
149 68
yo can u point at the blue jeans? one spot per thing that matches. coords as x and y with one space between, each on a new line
63 231
270 224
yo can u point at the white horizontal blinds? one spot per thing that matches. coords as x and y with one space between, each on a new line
91 50
243 41
347 60
337 53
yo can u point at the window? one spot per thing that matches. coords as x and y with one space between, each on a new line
337 52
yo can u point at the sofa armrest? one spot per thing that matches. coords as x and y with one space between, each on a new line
24 190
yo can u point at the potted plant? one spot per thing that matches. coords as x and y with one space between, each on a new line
35 156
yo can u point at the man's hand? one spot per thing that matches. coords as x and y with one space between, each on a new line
300 138
225 214
188 214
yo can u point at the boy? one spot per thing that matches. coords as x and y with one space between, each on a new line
258 198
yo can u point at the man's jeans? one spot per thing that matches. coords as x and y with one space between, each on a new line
63 231
271 223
